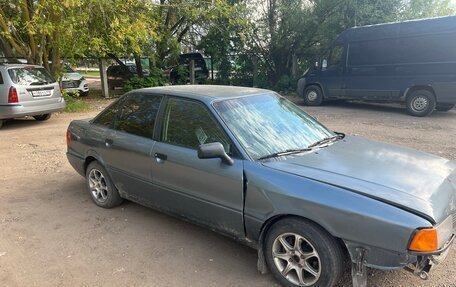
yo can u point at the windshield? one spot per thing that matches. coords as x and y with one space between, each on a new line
268 124
30 76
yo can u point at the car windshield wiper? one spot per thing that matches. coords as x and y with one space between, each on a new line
286 152
338 136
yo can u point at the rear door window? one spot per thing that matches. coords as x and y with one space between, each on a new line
30 76
138 115
108 116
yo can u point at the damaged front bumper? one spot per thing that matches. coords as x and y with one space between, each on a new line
428 261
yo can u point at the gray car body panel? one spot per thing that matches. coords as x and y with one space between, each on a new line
369 194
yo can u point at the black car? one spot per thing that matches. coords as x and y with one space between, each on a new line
119 74
201 70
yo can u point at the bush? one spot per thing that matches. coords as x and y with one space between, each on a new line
73 103
155 79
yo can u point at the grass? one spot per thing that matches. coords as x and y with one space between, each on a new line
89 73
74 104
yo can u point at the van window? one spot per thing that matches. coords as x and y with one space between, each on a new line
336 57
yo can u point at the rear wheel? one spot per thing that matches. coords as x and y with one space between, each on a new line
300 253
100 186
444 108
313 96
41 118
420 103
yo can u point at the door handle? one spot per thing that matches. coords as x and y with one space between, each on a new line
109 142
160 156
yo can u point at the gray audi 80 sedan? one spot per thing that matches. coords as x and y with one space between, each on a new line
250 164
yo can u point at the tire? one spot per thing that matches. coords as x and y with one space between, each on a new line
318 252
83 94
420 103
313 96
42 118
444 108
2 122
100 187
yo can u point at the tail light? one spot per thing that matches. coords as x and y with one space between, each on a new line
68 137
12 95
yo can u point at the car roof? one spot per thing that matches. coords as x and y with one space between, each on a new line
19 65
205 93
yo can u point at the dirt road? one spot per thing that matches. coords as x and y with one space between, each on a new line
51 234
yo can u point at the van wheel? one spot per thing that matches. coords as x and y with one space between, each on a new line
44 117
313 96
420 103
300 253
444 108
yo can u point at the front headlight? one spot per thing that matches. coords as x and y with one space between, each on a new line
432 239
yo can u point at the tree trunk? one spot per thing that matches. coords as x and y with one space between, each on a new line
139 69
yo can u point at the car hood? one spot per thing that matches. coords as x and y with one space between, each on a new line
71 77
422 183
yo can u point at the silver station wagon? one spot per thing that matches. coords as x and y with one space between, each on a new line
28 90
249 164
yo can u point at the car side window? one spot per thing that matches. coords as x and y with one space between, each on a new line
1 79
190 124
108 116
336 56
138 115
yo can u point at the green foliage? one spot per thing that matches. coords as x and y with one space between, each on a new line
155 79
73 103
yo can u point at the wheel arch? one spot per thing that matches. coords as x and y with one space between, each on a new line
262 266
417 87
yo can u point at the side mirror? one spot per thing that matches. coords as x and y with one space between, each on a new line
214 150
324 65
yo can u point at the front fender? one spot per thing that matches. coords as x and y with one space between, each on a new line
358 220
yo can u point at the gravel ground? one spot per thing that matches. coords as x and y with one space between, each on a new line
51 234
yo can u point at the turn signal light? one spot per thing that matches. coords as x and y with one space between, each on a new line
12 95
68 137
424 240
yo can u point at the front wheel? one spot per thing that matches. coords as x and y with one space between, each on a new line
313 96
420 103
42 118
444 108
300 253
100 186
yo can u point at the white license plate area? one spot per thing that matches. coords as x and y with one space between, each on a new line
41 93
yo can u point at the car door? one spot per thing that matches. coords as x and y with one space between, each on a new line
207 191
129 144
332 72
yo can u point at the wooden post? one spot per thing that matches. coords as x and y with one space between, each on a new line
103 77
294 66
212 68
192 72
255 70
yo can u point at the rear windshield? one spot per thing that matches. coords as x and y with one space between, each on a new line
30 76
